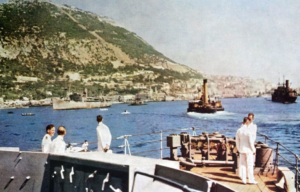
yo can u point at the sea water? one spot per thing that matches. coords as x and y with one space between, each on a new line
280 122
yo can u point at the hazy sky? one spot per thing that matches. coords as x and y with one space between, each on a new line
255 38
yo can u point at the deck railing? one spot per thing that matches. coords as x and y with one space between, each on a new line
161 140
278 144
294 166
127 146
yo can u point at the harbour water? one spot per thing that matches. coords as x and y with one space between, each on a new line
279 121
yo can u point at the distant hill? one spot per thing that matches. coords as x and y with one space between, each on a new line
47 41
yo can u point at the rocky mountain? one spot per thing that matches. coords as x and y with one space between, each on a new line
47 48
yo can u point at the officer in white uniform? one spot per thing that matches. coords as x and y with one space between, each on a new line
245 146
252 126
104 135
46 142
58 145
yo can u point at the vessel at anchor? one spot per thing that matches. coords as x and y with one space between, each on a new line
77 101
284 94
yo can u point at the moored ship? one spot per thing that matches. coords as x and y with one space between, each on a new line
204 104
284 94
76 101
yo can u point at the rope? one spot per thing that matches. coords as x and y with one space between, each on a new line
150 151
147 142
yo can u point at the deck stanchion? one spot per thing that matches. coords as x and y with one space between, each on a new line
277 155
161 155
297 174
127 144
226 150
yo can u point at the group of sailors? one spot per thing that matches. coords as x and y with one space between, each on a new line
58 145
245 139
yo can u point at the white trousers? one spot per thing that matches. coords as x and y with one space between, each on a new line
246 166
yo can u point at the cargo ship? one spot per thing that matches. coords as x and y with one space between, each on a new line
284 94
203 104
77 101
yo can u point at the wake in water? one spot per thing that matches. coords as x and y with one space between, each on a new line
217 115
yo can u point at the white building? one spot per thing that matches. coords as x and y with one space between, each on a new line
24 79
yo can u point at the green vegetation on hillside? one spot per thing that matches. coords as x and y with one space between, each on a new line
39 18
129 42
40 40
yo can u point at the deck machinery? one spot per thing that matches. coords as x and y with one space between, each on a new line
214 148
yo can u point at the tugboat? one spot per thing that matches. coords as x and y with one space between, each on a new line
284 94
204 104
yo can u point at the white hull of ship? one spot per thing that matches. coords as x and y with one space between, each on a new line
59 104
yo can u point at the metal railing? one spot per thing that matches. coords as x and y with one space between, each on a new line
294 166
126 145
127 150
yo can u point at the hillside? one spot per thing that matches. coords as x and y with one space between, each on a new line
47 48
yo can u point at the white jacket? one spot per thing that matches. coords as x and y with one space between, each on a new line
253 129
244 140
46 142
58 145
104 136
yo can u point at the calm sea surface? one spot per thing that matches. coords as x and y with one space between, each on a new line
280 122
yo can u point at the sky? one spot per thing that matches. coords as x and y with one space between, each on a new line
256 39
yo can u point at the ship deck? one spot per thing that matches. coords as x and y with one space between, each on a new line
225 175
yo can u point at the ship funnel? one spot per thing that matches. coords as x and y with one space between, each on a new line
205 96
287 86
199 93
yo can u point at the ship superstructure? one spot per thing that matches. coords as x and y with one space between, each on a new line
204 103
78 101
284 94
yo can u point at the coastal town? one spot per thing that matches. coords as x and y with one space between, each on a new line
218 87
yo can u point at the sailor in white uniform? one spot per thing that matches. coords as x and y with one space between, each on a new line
104 136
46 142
245 146
85 145
58 145
252 126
